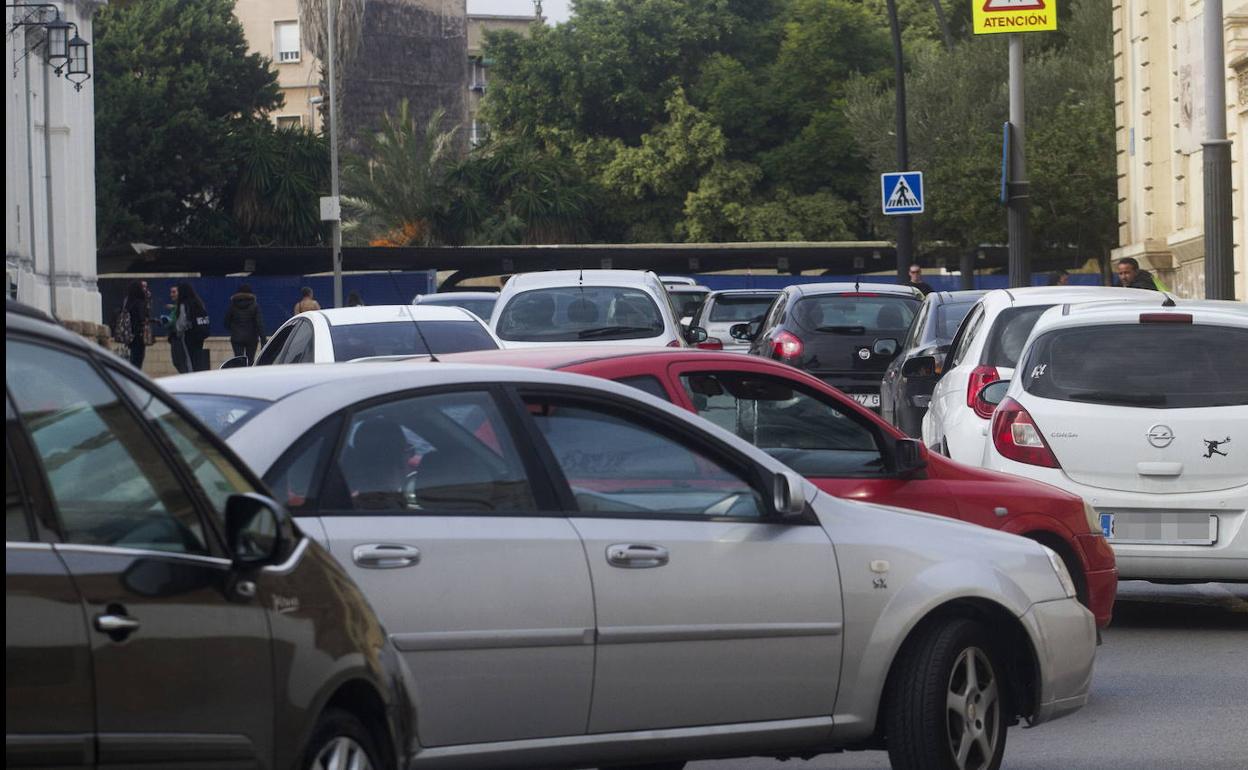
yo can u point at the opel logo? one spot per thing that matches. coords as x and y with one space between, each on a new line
1160 436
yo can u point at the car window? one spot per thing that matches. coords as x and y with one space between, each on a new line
917 327
776 317
294 478
874 313
948 317
221 413
482 308
648 384
110 482
966 333
1009 333
274 348
16 516
217 475
300 348
730 309
617 465
1107 365
402 338
441 452
812 435
574 313
686 303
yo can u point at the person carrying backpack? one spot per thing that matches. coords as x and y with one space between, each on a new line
245 323
131 327
190 323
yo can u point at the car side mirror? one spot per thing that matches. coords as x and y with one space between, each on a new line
789 494
253 529
920 368
695 334
993 393
235 362
885 347
909 456
743 332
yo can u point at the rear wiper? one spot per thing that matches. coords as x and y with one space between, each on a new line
842 329
604 331
1116 397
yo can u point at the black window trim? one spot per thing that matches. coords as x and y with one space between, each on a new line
759 478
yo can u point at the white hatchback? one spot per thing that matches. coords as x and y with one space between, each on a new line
986 349
603 307
1142 411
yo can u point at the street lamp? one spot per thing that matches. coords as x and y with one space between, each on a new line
57 39
62 52
78 73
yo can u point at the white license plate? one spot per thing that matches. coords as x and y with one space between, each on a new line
867 399
1159 528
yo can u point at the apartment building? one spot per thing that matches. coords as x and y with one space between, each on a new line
479 64
273 30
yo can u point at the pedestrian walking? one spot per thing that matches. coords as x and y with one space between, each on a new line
916 279
131 327
189 324
245 323
306 301
355 300
1130 275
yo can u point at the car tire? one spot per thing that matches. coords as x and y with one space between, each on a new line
338 740
946 701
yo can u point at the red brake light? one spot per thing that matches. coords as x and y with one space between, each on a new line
980 376
711 343
786 345
1017 437
1165 318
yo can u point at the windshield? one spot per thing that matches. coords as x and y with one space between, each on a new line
1164 366
482 308
576 313
222 414
1009 333
856 314
739 309
401 338
686 303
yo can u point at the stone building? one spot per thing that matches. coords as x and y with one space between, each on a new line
1159 87
49 168
273 29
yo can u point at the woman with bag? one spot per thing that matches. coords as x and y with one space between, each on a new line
189 324
132 323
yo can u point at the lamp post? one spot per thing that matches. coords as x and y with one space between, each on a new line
335 205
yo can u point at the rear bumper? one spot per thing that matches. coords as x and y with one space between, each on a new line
1224 560
1064 634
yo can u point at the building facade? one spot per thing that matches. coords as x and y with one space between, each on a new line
49 154
273 30
479 64
1160 118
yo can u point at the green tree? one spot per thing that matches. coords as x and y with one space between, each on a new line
174 87
274 193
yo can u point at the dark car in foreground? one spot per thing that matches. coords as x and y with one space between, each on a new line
909 379
160 609
843 333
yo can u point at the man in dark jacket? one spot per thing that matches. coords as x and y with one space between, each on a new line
244 322
1130 276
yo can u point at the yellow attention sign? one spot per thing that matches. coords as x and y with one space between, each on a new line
995 16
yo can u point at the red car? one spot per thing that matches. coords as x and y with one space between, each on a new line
845 449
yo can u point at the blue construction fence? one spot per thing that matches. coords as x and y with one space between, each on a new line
277 295
937 282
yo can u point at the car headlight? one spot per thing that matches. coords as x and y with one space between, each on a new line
1094 518
1063 574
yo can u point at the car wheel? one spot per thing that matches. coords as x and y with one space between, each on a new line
946 702
341 742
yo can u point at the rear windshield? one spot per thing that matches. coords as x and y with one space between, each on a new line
739 309
578 313
856 314
1164 366
398 338
686 303
482 308
1008 334
222 414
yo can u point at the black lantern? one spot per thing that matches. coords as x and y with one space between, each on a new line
78 73
58 41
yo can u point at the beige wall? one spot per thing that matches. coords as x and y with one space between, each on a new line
478 76
1159 94
299 80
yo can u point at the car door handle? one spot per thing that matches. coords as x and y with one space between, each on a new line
116 624
633 556
385 556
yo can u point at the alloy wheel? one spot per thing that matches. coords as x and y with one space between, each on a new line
342 753
973 710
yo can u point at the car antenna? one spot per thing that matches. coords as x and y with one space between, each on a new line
407 308
1169 302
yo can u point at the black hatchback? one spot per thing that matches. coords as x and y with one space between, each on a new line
843 333
160 609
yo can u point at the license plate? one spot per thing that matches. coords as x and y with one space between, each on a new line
867 399
1159 528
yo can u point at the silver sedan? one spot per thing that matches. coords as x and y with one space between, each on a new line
578 573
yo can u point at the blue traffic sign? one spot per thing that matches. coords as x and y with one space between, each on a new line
902 192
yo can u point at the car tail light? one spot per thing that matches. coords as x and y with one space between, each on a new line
1165 318
1017 437
980 376
786 345
711 343
674 344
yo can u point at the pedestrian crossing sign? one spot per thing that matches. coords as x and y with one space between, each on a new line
902 192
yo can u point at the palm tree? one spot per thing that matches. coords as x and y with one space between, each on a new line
273 199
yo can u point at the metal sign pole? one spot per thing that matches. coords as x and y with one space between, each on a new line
1019 188
1219 232
905 223
333 156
